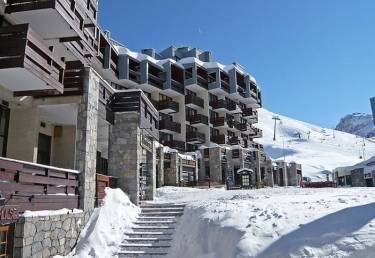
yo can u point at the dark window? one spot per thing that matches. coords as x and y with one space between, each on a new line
206 153
235 153
4 123
44 149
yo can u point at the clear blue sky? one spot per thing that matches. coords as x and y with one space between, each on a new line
314 60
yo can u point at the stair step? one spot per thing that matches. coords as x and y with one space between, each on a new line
144 247
162 205
152 227
148 253
156 222
153 218
160 213
149 234
147 239
162 209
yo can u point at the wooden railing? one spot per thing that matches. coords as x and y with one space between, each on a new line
21 47
30 186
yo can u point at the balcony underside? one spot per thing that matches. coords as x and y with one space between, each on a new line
49 22
27 79
195 87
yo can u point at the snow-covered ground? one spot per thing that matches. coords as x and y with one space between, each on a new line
274 222
317 149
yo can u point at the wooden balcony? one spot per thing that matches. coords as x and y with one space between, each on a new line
234 140
29 186
241 126
218 139
178 145
194 101
219 122
169 126
167 106
195 137
246 112
73 22
222 104
198 119
255 132
27 65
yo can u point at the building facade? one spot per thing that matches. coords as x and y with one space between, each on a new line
76 106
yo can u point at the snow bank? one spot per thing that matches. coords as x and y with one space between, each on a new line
274 222
104 231
29 214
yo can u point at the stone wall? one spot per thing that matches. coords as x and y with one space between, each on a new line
46 236
358 178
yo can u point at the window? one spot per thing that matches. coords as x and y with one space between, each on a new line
189 73
245 180
4 123
235 153
6 241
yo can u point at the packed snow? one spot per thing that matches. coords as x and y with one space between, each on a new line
103 233
274 222
317 149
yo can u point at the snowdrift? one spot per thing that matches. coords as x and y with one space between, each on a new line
317 149
103 233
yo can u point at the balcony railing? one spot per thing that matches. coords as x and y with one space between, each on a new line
195 137
202 82
169 126
194 100
178 145
255 132
69 16
234 140
20 47
218 139
30 186
246 112
241 126
198 119
222 103
218 121
167 105
155 81
225 85
177 86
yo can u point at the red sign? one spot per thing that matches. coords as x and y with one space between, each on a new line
8 214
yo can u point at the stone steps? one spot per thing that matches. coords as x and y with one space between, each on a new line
152 234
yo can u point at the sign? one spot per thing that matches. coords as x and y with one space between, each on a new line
8 214
146 142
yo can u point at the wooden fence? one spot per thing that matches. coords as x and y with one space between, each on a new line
30 186
103 181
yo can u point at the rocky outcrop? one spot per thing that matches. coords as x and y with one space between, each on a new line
360 124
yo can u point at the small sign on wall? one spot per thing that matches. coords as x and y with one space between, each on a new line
8 214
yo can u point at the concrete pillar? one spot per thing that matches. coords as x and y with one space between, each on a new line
160 167
86 142
215 165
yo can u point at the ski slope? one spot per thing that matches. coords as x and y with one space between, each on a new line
318 149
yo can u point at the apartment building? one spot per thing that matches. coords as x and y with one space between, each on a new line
204 106
78 111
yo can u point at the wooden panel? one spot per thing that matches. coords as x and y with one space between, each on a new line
25 178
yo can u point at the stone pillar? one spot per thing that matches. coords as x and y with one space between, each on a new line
215 165
151 183
125 153
86 142
160 167
257 168
171 175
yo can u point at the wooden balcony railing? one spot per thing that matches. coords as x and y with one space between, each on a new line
29 186
195 137
219 139
195 100
197 119
21 47
178 145
103 181
167 105
241 126
234 140
218 121
170 126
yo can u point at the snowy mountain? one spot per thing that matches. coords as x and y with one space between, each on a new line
360 124
317 149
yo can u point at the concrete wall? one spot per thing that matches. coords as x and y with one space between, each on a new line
171 174
46 236
64 148
358 179
23 133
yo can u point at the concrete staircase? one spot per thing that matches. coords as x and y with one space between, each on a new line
153 232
